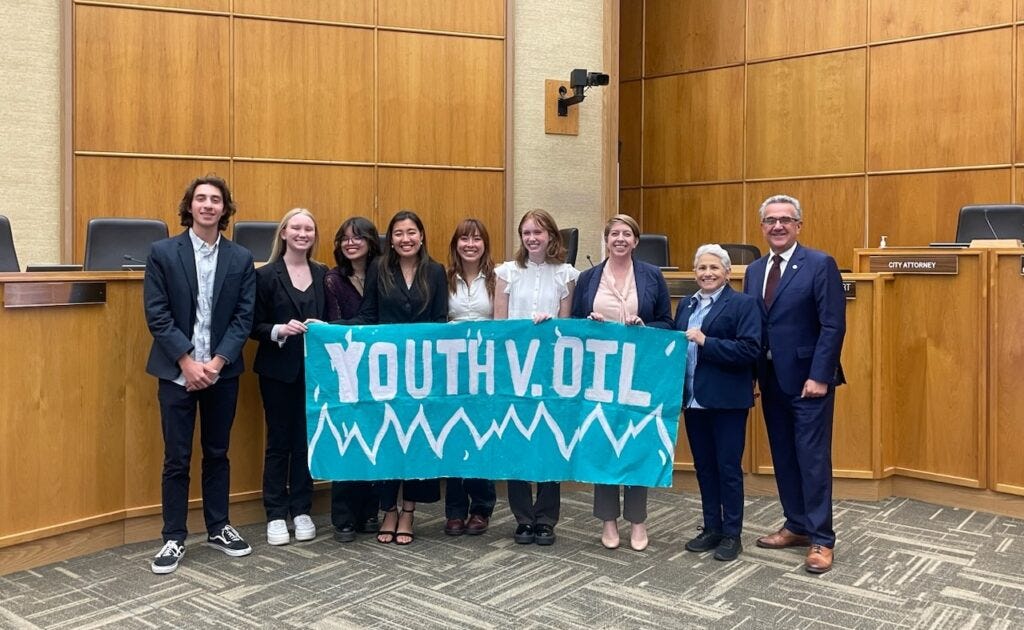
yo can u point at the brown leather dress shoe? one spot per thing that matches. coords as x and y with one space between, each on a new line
819 559
455 527
477 524
782 539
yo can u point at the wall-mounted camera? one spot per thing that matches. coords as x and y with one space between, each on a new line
579 80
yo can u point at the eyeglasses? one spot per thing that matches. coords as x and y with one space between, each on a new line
355 240
782 220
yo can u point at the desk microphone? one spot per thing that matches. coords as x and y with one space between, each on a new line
589 260
989 223
135 261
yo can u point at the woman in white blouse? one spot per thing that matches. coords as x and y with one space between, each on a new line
470 299
537 285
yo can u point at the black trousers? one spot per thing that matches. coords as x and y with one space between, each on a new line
543 511
216 406
352 502
287 485
469 496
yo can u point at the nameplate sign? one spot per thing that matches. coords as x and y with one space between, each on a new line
567 399
36 294
850 289
947 264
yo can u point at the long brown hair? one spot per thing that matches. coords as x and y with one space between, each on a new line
469 227
556 248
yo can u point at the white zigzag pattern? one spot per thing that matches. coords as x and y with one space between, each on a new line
347 436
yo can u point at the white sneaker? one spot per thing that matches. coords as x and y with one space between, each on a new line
277 532
304 527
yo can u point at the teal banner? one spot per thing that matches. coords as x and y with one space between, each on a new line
567 399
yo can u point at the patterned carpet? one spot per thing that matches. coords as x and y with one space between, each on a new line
899 564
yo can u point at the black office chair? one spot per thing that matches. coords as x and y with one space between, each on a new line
571 240
741 253
990 221
8 257
257 237
653 249
111 243
383 239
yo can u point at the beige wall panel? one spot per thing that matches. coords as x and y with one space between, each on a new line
692 216
61 417
150 82
442 99
1007 397
805 116
941 102
778 28
479 16
631 39
630 132
197 5
350 11
917 209
892 19
135 187
692 34
693 127
833 212
304 91
332 193
442 199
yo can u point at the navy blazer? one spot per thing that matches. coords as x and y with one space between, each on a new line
275 305
805 326
170 292
724 377
653 302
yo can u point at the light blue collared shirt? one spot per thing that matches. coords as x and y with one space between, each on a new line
206 272
701 305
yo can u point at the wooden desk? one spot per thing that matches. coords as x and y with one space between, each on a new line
1006 360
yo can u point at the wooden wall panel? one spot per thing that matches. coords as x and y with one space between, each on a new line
195 5
693 216
441 100
922 208
135 187
349 11
685 35
150 82
265 191
480 16
941 102
630 202
892 19
631 39
442 198
776 28
630 132
805 116
689 135
1019 95
833 211
306 90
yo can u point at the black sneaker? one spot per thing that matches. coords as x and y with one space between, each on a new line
728 548
346 533
544 535
705 541
166 560
229 541
524 534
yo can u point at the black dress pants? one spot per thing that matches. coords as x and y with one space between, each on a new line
287 484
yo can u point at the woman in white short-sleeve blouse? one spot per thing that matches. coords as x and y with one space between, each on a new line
537 285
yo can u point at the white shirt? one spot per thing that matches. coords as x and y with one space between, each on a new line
537 288
206 272
470 302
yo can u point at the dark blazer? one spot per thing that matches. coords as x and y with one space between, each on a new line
653 302
724 377
275 305
806 324
170 291
403 305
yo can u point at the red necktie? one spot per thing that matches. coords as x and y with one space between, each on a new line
773 280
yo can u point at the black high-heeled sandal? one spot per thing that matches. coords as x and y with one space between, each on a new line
409 535
391 534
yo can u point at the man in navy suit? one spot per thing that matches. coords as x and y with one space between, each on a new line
801 295
199 293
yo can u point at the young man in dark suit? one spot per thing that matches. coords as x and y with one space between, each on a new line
198 293
801 294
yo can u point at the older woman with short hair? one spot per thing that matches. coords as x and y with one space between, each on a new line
723 328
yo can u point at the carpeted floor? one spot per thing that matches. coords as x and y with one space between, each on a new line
899 564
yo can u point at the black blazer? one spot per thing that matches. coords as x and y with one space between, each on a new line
274 305
403 305
653 304
170 291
